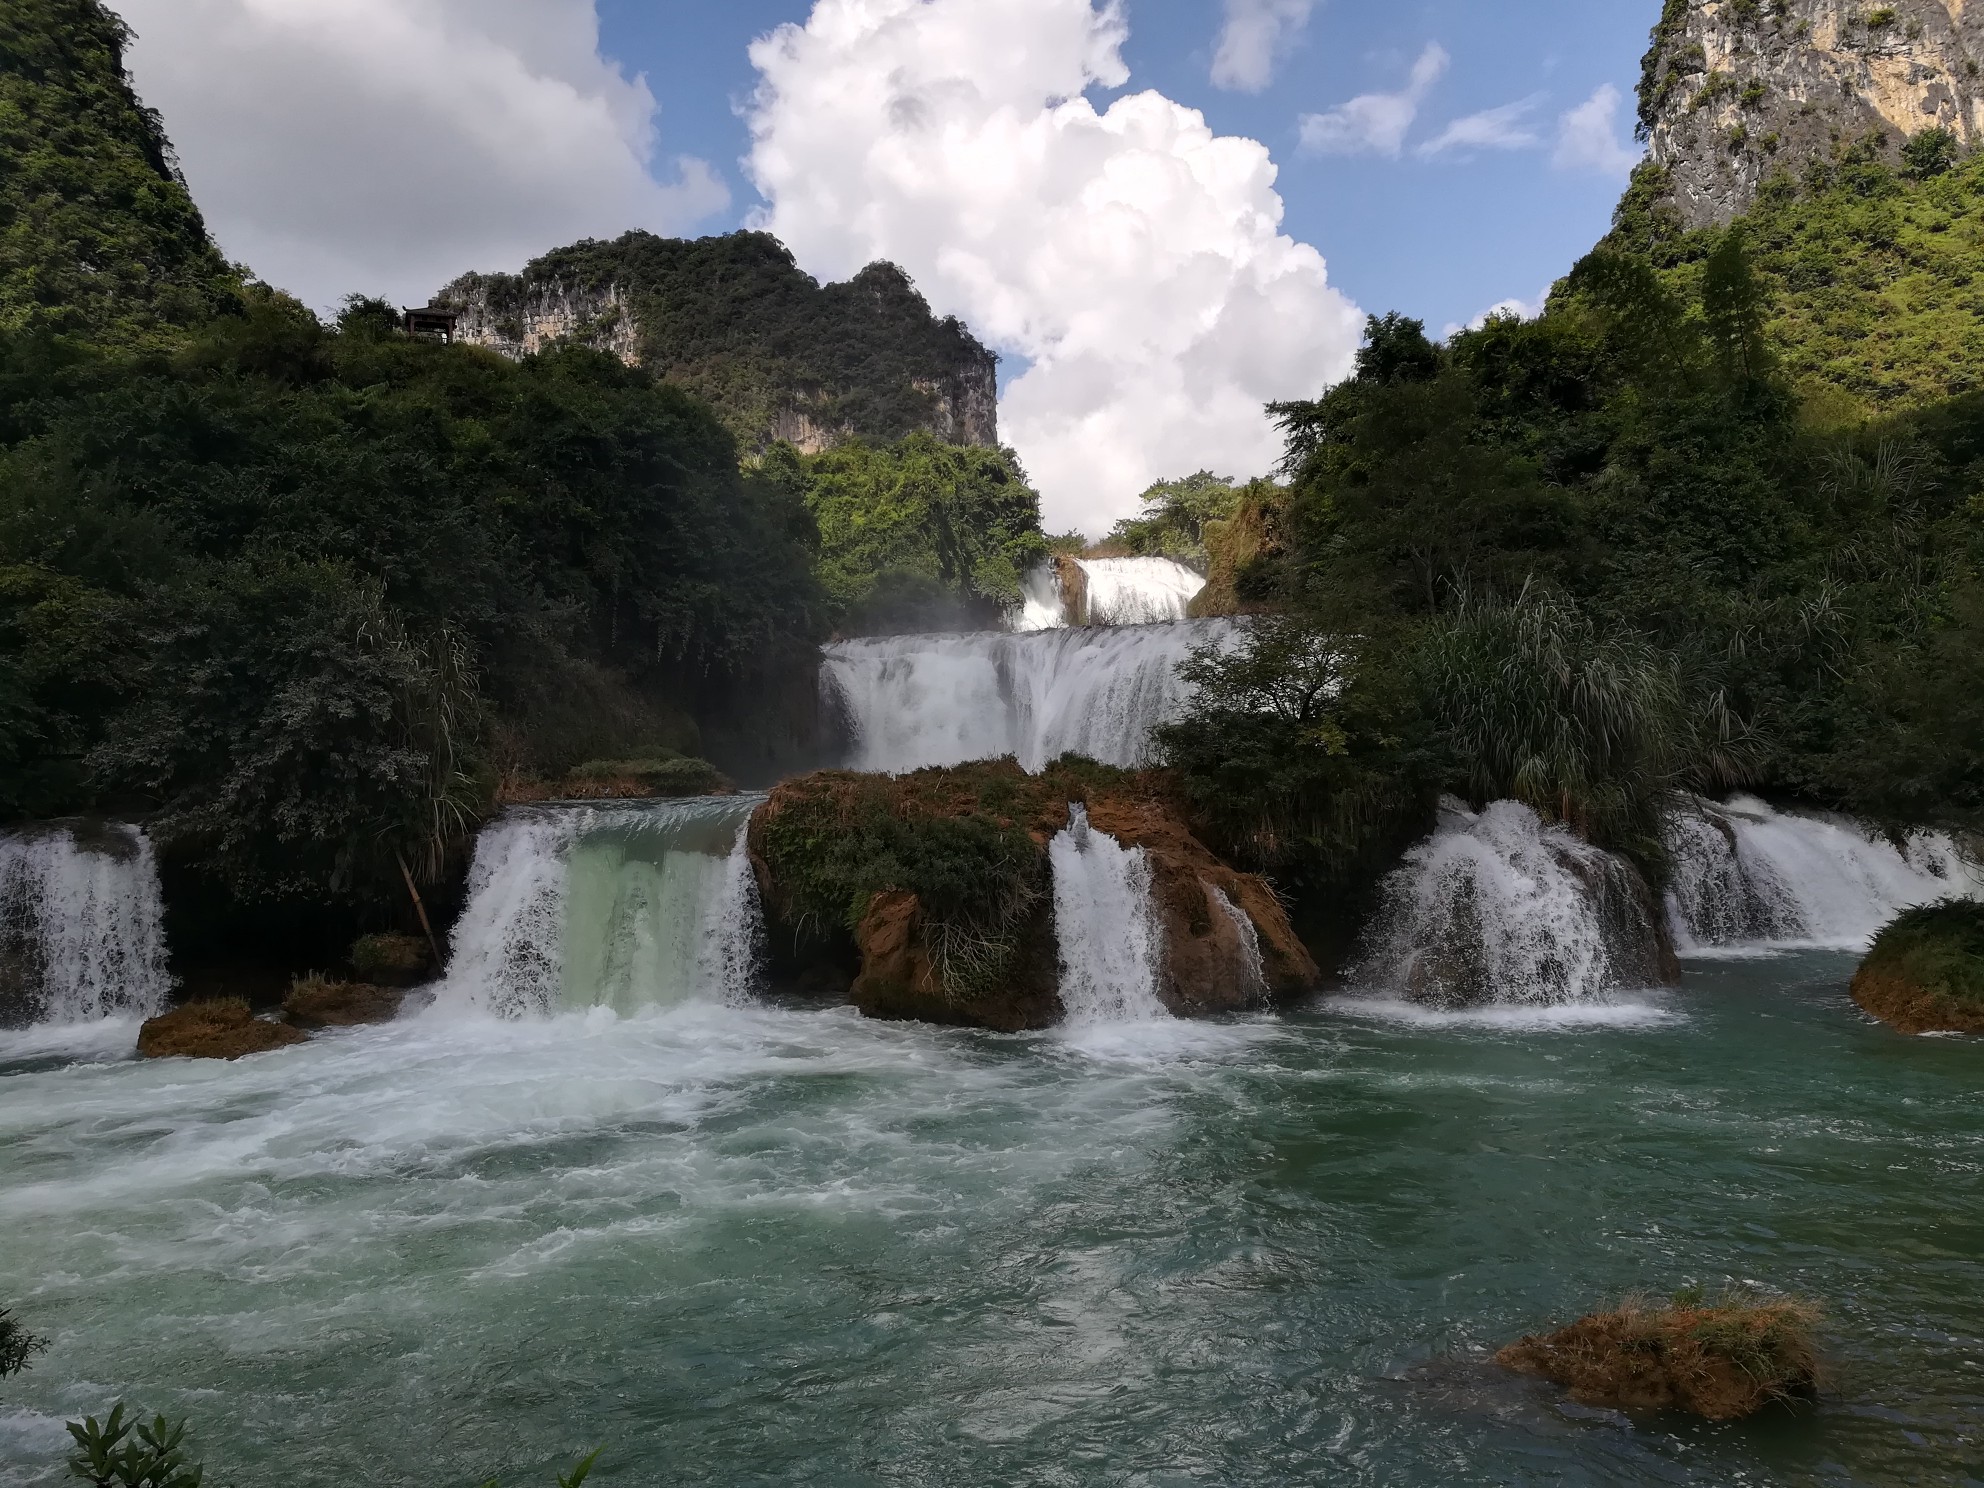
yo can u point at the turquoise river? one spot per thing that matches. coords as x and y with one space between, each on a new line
779 1245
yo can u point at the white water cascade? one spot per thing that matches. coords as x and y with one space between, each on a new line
921 700
632 905
1745 876
1120 591
1106 926
82 926
1497 907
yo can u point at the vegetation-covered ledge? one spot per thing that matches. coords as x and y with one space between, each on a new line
1925 973
929 896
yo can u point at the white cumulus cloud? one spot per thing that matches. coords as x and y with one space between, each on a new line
1520 309
1256 34
1132 257
1375 123
1588 137
1504 128
384 146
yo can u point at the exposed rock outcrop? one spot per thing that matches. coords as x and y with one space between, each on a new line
948 870
1735 90
318 1002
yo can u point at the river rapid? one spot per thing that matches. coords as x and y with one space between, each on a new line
743 1244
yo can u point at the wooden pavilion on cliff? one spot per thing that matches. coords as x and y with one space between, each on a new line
432 323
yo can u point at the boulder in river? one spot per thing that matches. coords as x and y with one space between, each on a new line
213 1028
319 1002
1925 971
1723 1360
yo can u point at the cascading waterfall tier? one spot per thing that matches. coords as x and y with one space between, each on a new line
630 906
1106 926
1746 876
82 925
1498 907
910 702
1115 591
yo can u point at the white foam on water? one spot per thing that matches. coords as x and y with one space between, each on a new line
1623 1011
1111 949
911 702
629 906
1748 879
114 1037
1498 908
82 925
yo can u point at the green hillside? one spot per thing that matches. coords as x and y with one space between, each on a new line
97 232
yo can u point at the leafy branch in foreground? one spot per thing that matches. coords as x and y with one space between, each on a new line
127 1453
17 1345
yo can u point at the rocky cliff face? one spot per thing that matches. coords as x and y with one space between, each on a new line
733 320
1735 90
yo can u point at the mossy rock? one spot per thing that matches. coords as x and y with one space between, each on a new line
1722 1360
213 1028
1925 971
679 776
319 1002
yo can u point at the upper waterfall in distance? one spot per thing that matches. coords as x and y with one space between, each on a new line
1112 591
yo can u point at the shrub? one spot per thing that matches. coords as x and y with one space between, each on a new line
17 1345
129 1453
1930 152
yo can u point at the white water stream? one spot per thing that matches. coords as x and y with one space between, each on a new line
82 926
1110 946
628 906
922 700
1500 908
1120 591
1746 877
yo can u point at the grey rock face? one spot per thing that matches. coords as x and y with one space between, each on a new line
1737 90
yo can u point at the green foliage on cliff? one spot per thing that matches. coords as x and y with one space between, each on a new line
1175 516
916 535
300 594
1871 276
97 233
735 321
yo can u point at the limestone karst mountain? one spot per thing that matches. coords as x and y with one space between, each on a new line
735 321
1736 90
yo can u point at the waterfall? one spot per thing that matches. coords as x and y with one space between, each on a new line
82 925
632 905
1497 907
1119 591
915 701
1253 966
1106 926
1743 875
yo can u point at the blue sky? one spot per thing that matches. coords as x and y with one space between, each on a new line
1441 238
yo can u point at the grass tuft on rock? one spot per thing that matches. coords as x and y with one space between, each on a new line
213 1028
1925 971
1723 1359
316 1001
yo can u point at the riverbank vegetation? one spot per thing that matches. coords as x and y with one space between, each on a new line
1925 970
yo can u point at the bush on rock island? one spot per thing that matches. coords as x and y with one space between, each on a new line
1724 1359
929 895
1925 972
